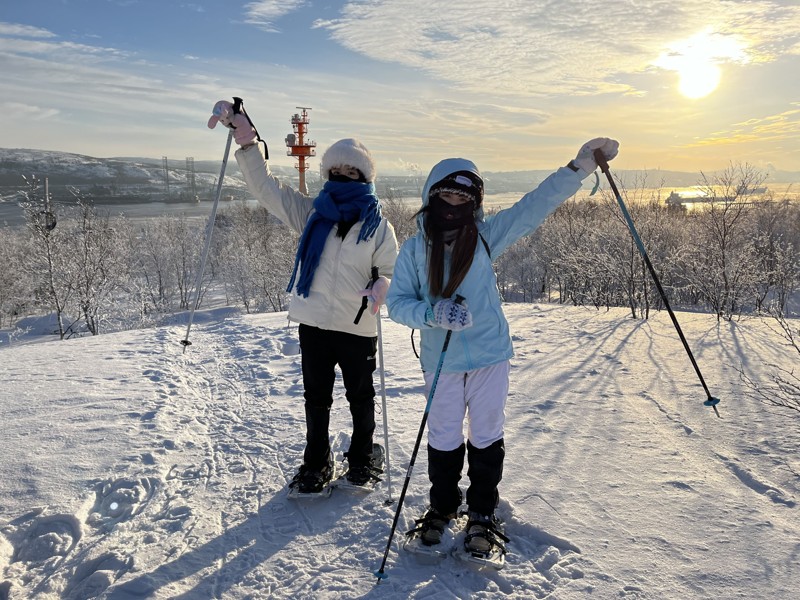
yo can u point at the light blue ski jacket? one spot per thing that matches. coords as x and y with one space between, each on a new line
488 341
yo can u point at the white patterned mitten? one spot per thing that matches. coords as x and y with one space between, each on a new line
449 315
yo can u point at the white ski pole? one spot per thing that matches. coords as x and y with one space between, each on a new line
374 277
390 499
209 232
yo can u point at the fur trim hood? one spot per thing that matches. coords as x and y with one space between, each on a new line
349 152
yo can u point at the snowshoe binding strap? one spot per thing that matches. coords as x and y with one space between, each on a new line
489 532
430 522
311 481
362 475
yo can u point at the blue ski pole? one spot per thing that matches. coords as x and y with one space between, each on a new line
380 573
603 164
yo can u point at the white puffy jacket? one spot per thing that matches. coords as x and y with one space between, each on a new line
345 267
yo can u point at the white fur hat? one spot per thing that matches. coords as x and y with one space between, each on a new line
348 152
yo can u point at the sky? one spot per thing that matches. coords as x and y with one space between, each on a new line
512 85
131 469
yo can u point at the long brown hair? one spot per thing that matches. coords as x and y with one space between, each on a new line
460 261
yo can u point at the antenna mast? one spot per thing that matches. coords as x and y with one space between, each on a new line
299 147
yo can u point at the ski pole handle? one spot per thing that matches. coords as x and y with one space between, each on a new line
237 105
365 300
601 161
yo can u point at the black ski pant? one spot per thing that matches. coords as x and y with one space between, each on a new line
485 472
321 351
444 472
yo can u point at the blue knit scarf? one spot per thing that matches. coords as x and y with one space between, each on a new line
336 202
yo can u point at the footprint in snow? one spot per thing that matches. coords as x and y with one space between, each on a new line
38 539
92 578
291 347
120 500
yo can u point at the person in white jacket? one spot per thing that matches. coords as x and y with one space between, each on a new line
444 281
343 236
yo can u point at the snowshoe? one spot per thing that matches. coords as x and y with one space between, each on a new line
313 483
364 478
432 539
483 542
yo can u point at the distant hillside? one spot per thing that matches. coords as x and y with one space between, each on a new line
146 175
521 181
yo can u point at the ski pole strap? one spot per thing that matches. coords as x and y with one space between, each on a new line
596 184
238 107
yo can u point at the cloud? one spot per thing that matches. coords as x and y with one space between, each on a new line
194 7
782 127
264 13
549 48
59 51
15 29
18 110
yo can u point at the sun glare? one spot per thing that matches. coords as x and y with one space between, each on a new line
698 79
697 59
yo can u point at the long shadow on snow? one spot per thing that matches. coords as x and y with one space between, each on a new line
264 534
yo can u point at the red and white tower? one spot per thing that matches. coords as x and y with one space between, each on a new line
299 147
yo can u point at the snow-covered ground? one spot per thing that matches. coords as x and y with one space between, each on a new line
133 470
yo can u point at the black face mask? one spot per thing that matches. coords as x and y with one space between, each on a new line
446 217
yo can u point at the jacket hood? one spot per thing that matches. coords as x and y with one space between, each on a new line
442 169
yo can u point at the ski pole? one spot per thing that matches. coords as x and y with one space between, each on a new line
380 572
603 164
210 228
364 302
389 499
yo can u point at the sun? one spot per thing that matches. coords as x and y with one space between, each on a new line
697 61
698 79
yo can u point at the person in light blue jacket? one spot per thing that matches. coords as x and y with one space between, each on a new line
444 281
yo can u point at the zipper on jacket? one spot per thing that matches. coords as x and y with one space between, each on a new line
335 277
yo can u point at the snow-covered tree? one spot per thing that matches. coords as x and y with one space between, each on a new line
254 255
783 389
47 263
630 279
91 245
399 213
723 260
776 227
151 282
16 284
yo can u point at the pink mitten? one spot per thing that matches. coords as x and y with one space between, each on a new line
222 111
377 293
243 133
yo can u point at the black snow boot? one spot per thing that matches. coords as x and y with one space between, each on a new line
312 480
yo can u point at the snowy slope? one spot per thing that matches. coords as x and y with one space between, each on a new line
133 470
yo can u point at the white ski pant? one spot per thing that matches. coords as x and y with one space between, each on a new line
481 394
